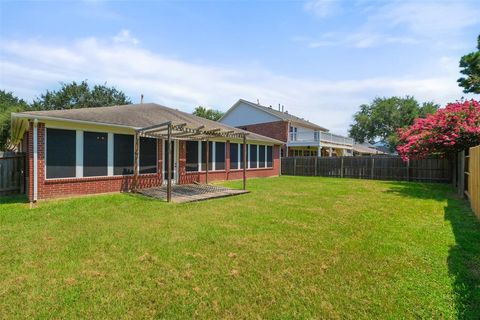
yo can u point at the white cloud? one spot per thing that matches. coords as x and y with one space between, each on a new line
429 17
321 8
124 36
400 22
362 39
30 67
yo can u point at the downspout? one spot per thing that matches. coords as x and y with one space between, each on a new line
35 160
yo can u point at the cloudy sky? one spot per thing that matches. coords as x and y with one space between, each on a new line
319 58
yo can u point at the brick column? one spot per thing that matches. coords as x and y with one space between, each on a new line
41 160
182 160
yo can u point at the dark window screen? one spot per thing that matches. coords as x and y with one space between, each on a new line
269 156
261 156
253 156
95 150
122 154
204 155
148 155
219 155
192 155
61 153
234 156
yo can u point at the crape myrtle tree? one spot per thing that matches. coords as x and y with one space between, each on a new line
449 130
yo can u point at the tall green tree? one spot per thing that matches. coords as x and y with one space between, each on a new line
8 104
211 114
80 95
470 67
380 120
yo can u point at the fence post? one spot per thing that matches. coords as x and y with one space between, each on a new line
461 174
408 169
316 161
294 166
341 168
373 166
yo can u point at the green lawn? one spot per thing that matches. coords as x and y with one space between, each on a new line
295 247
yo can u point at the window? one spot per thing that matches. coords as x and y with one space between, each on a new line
148 155
219 155
61 153
293 133
253 156
261 156
123 149
192 156
204 155
234 156
269 156
95 154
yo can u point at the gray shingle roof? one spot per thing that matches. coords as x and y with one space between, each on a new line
138 116
285 116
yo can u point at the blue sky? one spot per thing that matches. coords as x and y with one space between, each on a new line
320 58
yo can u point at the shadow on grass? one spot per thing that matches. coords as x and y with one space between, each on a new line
464 257
13 199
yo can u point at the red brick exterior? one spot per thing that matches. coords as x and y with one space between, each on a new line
276 130
55 188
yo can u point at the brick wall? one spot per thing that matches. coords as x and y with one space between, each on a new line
54 188
276 130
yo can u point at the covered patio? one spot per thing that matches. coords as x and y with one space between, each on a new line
171 131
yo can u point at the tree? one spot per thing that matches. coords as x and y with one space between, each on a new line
8 104
470 65
449 130
380 120
73 95
211 114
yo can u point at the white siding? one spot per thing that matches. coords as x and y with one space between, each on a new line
303 134
244 114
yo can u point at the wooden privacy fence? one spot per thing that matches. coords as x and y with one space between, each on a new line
433 169
12 174
472 177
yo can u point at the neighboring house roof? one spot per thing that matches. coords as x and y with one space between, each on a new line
135 116
279 114
365 148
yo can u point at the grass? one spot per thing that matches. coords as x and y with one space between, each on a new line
295 247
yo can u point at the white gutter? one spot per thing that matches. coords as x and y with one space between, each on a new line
27 116
35 159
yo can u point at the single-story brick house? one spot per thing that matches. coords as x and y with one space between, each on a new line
91 150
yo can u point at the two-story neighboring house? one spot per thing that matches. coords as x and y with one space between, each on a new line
301 137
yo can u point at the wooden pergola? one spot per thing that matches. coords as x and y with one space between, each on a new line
170 131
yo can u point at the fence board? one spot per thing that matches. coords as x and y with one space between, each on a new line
432 169
12 178
473 189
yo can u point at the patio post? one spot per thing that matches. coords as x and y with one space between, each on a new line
135 163
169 164
207 161
244 162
